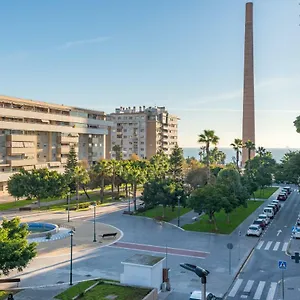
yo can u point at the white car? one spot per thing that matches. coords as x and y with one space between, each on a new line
254 230
269 212
265 218
196 295
296 232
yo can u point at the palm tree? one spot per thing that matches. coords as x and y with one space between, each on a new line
261 151
208 138
118 152
237 145
250 147
102 170
81 176
201 153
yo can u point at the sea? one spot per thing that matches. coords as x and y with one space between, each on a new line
277 153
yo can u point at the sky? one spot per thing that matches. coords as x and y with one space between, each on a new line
185 55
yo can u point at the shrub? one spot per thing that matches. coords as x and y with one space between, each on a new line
84 205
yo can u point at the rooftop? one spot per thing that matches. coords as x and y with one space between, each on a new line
143 259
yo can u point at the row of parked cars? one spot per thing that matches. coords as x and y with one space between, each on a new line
269 212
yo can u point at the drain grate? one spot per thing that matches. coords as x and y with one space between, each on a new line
291 288
60 282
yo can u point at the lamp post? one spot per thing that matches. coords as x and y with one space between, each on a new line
69 198
129 200
95 204
178 221
71 260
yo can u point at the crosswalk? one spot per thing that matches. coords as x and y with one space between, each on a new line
272 246
250 289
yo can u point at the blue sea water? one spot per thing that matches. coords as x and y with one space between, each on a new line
277 153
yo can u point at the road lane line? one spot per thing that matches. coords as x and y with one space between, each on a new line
260 245
235 288
276 246
259 290
248 286
284 247
268 245
272 291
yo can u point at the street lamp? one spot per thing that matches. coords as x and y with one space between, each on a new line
178 221
95 204
129 200
71 260
69 197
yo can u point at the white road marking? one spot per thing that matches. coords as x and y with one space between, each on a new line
248 286
284 247
244 296
235 288
259 290
268 245
260 245
276 246
272 291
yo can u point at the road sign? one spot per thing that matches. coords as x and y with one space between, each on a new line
282 264
230 246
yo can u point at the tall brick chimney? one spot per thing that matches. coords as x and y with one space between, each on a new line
248 96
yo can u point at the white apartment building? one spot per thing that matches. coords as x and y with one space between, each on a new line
143 131
36 134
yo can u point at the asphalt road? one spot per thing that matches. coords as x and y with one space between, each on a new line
261 277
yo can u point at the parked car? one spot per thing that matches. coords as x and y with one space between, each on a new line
288 189
284 192
282 197
276 202
265 218
296 232
254 230
261 223
269 212
275 208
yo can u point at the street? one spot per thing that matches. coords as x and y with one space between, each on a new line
261 277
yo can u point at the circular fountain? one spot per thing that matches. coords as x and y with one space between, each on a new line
41 229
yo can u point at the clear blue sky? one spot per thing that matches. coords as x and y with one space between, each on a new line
185 55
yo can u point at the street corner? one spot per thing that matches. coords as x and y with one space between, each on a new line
293 246
86 238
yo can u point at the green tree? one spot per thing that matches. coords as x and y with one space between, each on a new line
176 163
161 191
118 152
208 138
17 185
100 172
81 178
217 156
16 252
237 146
297 124
72 163
250 146
207 199
261 151
159 166
197 177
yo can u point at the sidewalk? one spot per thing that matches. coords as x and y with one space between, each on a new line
186 218
46 293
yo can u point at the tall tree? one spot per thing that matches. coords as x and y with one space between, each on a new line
16 252
217 156
237 146
197 177
250 146
208 138
208 200
81 177
261 151
297 124
101 171
72 163
118 152
159 166
176 163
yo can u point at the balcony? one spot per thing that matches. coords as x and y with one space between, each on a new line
68 140
17 162
21 138
18 151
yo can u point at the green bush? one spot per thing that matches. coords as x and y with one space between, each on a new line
84 205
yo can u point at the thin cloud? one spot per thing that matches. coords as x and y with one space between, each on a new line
72 44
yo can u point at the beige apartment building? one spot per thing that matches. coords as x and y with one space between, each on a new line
36 135
143 131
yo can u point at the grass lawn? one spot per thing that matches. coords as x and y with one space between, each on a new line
265 193
102 291
75 290
236 218
169 214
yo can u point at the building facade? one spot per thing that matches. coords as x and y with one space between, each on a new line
143 131
36 135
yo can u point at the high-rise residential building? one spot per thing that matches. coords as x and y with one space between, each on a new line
248 97
37 134
143 131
